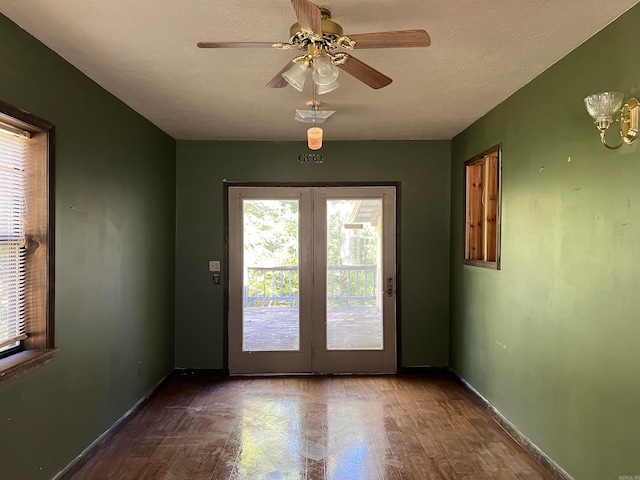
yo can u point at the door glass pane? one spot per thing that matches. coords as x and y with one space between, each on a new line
270 308
354 272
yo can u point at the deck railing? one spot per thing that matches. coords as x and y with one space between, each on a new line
347 285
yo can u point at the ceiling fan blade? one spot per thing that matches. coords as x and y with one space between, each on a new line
397 39
309 16
278 81
236 44
365 73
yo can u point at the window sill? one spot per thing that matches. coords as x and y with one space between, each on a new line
482 263
21 363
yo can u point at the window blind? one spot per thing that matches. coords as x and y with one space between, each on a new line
13 209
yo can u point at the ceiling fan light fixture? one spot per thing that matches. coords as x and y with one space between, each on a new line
322 89
296 75
311 116
324 71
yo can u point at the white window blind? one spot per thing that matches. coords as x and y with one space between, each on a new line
13 209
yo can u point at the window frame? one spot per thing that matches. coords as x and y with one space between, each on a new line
475 207
39 346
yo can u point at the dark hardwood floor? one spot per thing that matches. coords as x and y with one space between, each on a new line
339 427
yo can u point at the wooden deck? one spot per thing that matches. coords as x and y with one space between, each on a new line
276 328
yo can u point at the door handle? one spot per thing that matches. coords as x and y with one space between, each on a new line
389 285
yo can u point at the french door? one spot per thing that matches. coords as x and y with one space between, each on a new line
311 280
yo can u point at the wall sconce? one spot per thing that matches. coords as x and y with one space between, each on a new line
603 106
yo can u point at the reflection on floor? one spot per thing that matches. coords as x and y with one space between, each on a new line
389 427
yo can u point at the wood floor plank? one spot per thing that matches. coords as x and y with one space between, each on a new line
313 428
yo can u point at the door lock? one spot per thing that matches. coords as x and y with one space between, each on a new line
389 285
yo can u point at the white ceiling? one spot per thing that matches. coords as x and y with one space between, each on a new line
144 52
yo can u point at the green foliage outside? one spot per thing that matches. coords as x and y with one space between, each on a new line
271 254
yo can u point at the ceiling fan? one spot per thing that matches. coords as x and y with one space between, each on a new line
319 37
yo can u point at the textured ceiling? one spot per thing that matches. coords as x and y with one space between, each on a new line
144 52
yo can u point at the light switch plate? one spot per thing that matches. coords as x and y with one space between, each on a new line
214 265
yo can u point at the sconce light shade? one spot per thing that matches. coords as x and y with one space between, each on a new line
324 72
314 138
296 75
605 107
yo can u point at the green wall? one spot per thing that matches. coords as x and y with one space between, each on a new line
551 340
115 223
421 166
